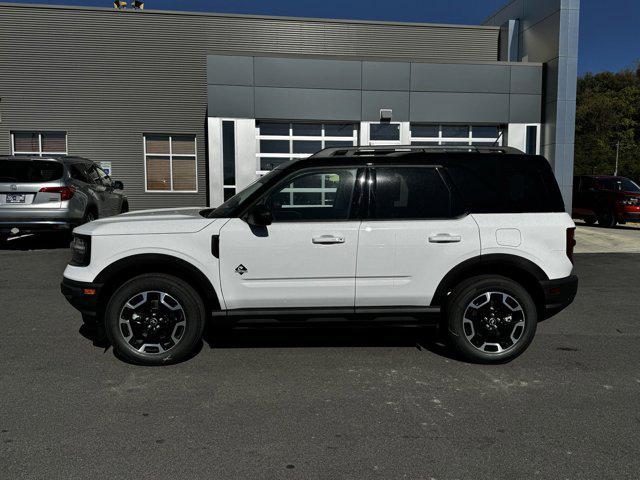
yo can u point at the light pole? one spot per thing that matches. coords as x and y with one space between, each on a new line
615 174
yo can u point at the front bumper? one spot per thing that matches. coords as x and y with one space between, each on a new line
558 294
82 296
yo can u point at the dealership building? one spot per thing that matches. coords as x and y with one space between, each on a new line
187 108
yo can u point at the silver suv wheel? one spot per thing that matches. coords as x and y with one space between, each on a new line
152 322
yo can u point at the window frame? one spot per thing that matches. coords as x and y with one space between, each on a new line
358 199
291 138
170 157
469 140
40 153
371 186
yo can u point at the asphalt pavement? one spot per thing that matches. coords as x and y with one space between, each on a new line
384 403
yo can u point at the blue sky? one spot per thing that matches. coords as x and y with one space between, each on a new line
609 29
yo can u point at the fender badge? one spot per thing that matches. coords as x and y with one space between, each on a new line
241 269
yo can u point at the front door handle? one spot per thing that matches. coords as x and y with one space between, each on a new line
327 240
445 238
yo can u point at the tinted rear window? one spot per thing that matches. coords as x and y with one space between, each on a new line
25 171
410 193
507 184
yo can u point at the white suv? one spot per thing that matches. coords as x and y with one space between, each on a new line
475 239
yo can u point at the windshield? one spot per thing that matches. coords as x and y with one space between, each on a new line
228 207
620 184
627 185
27 171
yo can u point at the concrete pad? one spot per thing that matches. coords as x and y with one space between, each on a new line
595 239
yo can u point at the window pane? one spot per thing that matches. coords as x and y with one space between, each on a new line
228 193
385 131
301 146
425 131
307 129
158 174
274 146
229 153
410 193
486 132
183 145
267 163
338 143
532 139
26 142
267 128
338 130
455 131
318 195
54 142
184 173
157 144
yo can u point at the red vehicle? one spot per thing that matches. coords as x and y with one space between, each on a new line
606 199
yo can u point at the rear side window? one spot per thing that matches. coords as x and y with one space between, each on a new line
410 193
78 172
25 171
507 184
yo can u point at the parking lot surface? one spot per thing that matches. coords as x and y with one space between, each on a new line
331 403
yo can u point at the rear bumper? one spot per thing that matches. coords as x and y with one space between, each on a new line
629 216
558 294
82 296
21 227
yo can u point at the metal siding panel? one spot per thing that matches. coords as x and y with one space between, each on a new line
526 79
230 101
307 104
307 73
386 76
229 70
459 107
373 101
433 77
525 108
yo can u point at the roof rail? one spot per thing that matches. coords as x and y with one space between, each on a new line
400 149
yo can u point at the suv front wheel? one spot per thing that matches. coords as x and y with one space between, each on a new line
491 319
155 319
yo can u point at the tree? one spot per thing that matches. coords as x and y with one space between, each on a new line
608 112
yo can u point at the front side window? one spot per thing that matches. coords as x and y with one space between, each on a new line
410 193
313 196
39 143
170 163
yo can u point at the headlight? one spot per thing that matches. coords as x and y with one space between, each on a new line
80 251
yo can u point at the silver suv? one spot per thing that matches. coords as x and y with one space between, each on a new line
54 194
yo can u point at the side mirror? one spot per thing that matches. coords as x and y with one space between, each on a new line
259 216
117 185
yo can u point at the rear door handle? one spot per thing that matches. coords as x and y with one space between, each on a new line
445 238
327 240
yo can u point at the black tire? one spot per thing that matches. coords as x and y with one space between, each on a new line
590 221
607 220
192 314
460 306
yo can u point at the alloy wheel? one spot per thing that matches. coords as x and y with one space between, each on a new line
152 322
494 322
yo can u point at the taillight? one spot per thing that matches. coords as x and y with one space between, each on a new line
571 242
65 192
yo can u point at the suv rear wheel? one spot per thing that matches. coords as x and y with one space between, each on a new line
155 319
492 319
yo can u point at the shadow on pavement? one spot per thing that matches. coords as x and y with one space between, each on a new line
41 241
421 338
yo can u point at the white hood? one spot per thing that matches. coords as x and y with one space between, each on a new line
149 222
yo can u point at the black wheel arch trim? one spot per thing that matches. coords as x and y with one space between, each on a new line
157 263
496 263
